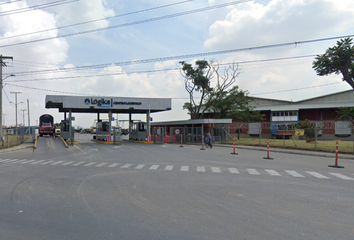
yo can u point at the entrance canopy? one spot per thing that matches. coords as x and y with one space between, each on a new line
98 104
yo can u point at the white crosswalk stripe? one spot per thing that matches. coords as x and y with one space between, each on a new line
89 164
77 164
5 160
30 161
101 164
317 175
12 160
169 167
293 173
140 166
113 165
338 175
215 169
252 171
37 162
56 163
272 172
200 169
47 162
233 170
154 167
67 163
184 169
126 166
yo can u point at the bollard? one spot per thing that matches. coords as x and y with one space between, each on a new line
336 159
202 143
234 152
267 151
181 140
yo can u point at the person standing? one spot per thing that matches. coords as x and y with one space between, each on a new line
208 140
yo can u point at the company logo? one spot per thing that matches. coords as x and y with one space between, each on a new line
99 102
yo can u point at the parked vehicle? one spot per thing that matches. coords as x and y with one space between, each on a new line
46 125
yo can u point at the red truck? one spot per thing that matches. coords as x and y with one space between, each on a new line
46 125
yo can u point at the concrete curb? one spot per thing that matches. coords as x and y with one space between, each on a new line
16 148
62 139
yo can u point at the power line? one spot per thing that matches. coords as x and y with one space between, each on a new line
10 2
131 23
96 20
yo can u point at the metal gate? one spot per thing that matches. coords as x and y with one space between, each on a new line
158 134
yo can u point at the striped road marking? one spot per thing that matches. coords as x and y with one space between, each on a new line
154 167
233 170
4 160
77 164
67 163
169 167
89 164
30 161
341 176
316 174
252 171
57 163
215 169
113 165
140 166
200 169
272 172
293 173
184 168
38 162
13 160
101 164
126 166
47 162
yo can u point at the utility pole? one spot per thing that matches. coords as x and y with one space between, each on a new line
2 64
23 114
29 125
16 113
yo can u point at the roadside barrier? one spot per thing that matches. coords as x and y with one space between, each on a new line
268 151
336 159
202 143
234 152
181 140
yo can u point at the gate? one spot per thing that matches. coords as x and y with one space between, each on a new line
158 134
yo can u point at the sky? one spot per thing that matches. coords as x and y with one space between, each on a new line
77 47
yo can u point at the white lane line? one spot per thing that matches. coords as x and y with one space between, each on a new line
200 169
5 160
184 168
89 164
272 172
140 166
113 165
30 161
47 162
38 162
55 163
215 169
154 167
101 164
233 170
169 167
126 166
316 174
252 171
67 163
77 164
341 176
293 173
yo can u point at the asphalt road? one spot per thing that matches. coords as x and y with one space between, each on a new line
147 191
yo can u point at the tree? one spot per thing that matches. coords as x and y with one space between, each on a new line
346 113
339 60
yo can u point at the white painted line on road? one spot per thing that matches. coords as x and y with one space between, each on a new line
101 164
140 166
67 163
341 176
316 174
126 166
21 161
38 162
184 168
47 162
293 173
113 165
169 167
77 164
30 161
154 167
55 163
272 172
252 171
233 170
12 160
215 169
5 160
200 169
80 149
89 164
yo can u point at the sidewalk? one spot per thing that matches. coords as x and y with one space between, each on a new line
26 144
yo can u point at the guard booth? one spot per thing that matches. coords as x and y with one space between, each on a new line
138 131
102 131
65 130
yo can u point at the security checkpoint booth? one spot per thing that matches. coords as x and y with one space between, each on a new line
107 105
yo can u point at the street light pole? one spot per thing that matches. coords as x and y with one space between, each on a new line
16 114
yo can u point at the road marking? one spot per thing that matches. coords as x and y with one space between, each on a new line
184 168
29 161
140 166
77 164
316 174
215 169
341 176
5 160
169 167
21 161
252 171
38 162
200 169
89 164
154 167
126 166
233 170
12 160
101 164
113 165
293 173
47 162
67 163
55 163
272 172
